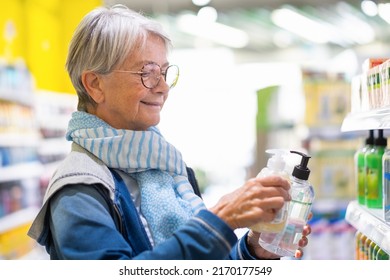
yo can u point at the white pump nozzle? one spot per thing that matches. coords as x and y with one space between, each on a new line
277 162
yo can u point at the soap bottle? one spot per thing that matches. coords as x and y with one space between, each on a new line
360 168
275 166
285 243
386 185
373 160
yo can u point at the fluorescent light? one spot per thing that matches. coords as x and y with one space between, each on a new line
200 2
213 31
369 8
300 25
208 13
384 11
350 25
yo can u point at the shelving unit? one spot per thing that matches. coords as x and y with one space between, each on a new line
21 171
374 119
369 221
20 168
18 218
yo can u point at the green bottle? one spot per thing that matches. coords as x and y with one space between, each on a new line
374 252
367 246
360 168
371 249
382 255
373 161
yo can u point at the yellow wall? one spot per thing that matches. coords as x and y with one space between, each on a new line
42 31
11 29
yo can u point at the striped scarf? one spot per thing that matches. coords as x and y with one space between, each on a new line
167 197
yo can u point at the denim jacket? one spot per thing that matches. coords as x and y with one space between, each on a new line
88 213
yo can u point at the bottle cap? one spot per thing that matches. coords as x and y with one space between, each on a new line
301 171
380 140
370 138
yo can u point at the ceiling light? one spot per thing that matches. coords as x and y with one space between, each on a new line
384 12
301 25
214 31
200 3
208 13
352 26
369 8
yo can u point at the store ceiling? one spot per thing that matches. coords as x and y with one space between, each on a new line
338 25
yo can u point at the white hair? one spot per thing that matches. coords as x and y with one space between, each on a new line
103 40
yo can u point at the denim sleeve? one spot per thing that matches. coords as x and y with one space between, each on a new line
82 228
240 251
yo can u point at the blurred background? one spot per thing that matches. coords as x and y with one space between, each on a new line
254 75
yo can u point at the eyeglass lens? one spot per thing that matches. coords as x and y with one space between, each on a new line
152 74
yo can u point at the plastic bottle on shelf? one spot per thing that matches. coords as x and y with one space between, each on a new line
362 242
360 167
366 248
358 235
382 255
373 160
285 243
275 166
386 185
374 251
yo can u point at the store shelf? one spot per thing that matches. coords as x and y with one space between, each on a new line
25 98
333 133
370 222
28 139
374 119
18 218
21 171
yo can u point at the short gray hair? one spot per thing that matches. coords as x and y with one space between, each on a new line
103 40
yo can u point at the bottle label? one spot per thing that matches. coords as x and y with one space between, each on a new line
372 192
361 183
292 234
386 190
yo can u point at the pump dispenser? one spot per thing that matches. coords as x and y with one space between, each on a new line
285 243
373 159
275 166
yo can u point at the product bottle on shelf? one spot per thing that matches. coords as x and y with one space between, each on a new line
275 166
358 235
386 185
367 247
373 160
360 168
381 255
285 243
374 252
362 242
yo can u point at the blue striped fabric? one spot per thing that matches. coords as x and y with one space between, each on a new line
167 197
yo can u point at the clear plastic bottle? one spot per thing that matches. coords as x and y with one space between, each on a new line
275 166
386 185
285 243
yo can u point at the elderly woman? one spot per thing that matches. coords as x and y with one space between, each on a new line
124 192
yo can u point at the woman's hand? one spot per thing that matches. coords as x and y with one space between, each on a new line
258 200
258 251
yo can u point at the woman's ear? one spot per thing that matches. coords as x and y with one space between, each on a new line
92 84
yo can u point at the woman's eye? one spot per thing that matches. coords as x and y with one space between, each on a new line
145 74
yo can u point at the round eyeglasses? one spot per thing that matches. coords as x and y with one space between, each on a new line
151 74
